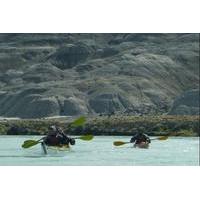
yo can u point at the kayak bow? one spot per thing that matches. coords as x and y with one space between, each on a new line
55 149
142 145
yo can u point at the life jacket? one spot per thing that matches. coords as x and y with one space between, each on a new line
52 140
139 138
57 139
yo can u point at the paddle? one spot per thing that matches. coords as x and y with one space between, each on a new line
165 137
78 122
30 143
119 143
85 137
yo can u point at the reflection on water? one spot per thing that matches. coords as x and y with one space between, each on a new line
100 151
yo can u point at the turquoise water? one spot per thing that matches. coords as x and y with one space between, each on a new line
100 151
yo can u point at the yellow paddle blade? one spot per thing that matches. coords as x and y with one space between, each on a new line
29 143
78 122
119 143
86 137
163 137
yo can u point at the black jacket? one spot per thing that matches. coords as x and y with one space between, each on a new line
140 137
57 138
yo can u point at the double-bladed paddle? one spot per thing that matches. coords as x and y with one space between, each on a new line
120 143
85 137
78 122
30 143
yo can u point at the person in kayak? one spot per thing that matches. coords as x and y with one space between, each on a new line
57 137
140 137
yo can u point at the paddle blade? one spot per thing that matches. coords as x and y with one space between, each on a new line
165 137
78 122
119 143
86 137
29 143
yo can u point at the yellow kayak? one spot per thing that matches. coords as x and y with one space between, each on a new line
59 148
54 149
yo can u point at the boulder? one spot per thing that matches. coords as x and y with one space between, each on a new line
70 55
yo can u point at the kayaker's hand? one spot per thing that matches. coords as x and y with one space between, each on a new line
132 140
148 140
72 141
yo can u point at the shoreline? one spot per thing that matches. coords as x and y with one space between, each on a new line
115 125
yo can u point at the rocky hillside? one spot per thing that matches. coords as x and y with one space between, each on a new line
71 74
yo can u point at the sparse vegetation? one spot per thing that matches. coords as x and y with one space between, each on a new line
114 125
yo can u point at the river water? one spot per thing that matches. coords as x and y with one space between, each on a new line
100 151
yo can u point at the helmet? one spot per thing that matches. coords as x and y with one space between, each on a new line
141 130
52 128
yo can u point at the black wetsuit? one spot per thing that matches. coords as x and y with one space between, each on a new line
139 138
57 138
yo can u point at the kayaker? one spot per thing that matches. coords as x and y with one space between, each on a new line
140 137
57 137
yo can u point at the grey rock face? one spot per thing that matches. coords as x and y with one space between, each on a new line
74 106
42 72
28 104
106 52
186 104
72 74
108 103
